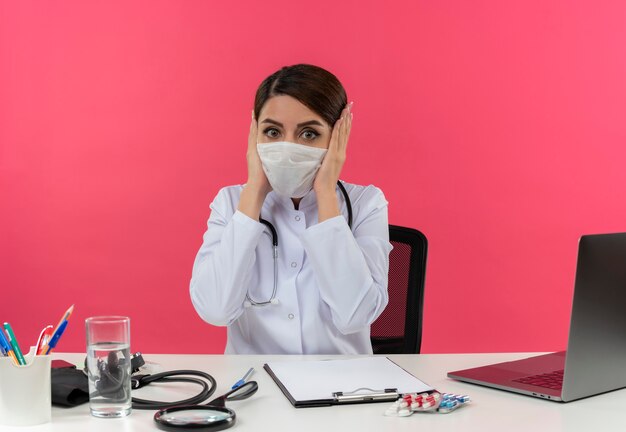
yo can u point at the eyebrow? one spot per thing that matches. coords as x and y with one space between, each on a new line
306 123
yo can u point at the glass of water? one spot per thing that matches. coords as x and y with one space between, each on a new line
108 364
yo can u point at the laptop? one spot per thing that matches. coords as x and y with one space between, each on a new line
595 360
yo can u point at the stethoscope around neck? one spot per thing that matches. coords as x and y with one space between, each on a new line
273 300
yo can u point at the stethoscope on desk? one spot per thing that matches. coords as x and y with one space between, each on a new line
178 416
273 300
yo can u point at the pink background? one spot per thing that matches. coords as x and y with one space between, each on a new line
497 128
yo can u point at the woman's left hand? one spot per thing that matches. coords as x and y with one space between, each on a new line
328 174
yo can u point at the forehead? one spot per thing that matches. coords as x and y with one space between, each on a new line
287 110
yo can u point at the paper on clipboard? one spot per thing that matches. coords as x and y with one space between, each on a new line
312 380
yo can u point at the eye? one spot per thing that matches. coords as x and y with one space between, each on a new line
271 132
309 134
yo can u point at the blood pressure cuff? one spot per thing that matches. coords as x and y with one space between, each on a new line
69 387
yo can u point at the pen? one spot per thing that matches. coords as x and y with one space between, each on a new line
66 316
14 344
243 380
6 348
64 319
55 338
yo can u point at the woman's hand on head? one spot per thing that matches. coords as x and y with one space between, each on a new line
257 179
257 187
328 174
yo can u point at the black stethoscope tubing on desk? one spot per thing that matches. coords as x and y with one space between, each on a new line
273 300
188 415
182 415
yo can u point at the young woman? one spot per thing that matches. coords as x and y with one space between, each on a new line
325 281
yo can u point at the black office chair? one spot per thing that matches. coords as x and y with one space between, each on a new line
398 330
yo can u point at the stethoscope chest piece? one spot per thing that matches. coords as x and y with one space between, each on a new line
194 418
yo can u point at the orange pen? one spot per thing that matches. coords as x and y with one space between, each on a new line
12 355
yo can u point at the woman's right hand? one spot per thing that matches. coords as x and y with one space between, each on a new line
256 176
257 187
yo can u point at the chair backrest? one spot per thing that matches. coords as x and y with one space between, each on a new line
398 330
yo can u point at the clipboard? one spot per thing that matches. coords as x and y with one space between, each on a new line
314 383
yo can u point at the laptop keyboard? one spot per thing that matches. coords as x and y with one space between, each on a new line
551 380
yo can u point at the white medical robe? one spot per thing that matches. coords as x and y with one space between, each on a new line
332 281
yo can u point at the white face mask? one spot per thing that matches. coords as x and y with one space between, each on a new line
290 168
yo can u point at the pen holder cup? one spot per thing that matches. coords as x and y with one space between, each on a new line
25 397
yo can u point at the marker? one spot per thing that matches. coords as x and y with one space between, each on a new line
6 348
14 344
44 338
243 380
55 338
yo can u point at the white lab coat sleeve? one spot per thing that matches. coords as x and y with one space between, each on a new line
351 267
222 268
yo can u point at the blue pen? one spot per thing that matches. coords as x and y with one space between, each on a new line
243 380
4 344
6 347
55 337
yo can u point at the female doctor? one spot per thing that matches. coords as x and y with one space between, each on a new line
325 282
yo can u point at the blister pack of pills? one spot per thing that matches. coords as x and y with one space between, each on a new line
435 402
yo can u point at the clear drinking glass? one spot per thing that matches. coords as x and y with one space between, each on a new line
108 362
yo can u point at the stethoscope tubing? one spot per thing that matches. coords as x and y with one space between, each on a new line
274 234
163 417
174 376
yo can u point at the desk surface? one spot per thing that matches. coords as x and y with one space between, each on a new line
269 410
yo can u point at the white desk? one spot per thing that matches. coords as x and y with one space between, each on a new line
269 410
